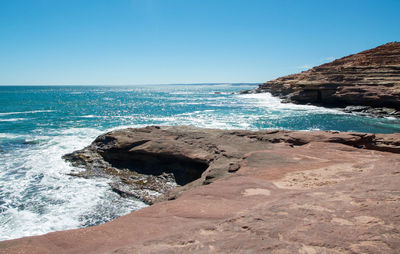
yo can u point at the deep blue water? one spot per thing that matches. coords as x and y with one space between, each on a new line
40 124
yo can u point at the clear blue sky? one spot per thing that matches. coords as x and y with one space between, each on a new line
123 42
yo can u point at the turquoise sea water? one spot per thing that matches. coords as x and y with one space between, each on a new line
40 124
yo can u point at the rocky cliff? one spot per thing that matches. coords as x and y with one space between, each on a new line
242 192
369 78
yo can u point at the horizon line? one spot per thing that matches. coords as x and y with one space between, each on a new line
151 84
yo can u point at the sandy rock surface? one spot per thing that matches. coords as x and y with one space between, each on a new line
258 192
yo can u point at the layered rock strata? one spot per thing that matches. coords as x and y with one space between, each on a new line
369 78
245 192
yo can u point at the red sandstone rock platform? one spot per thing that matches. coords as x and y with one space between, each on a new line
292 192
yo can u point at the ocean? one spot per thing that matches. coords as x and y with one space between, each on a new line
40 124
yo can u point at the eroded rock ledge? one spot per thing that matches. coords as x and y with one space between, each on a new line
259 192
149 163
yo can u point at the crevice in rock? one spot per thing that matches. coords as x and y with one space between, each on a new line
319 96
185 170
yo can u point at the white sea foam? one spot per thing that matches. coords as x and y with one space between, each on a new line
11 136
13 119
89 116
40 197
25 112
208 119
269 101
265 108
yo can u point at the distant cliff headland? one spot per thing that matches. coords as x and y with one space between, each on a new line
366 82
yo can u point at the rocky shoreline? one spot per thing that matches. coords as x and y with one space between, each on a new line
150 163
240 191
367 83
268 191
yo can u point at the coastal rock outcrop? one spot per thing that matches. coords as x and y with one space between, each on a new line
269 191
149 163
369 78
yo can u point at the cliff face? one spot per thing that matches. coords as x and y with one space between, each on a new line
267 191
369 78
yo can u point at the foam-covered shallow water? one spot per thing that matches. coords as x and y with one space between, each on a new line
40 124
